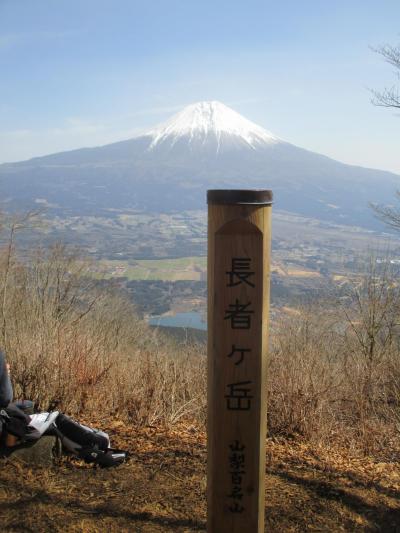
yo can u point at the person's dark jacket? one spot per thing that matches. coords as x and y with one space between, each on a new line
6 391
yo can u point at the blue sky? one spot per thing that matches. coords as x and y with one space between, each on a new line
79 73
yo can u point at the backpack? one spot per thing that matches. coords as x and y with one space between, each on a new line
91 445
13 421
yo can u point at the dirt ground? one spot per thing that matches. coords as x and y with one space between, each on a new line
162 489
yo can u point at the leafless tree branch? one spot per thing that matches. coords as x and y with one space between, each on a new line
389 96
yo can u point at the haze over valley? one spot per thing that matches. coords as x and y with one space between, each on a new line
138 207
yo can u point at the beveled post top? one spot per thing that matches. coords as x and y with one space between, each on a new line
239 197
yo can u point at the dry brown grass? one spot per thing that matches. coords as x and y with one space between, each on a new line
74 345
162 489
334 370
334 407
334 378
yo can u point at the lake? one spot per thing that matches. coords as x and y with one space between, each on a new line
180 320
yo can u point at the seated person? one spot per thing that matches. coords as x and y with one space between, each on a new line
6 393
6 390
17 428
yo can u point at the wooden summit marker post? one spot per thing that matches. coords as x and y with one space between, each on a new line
239 236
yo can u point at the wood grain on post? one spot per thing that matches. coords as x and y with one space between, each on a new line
239 236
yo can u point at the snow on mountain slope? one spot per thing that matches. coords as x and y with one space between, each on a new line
207 145
206 122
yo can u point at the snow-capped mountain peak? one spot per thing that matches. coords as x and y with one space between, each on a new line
206 122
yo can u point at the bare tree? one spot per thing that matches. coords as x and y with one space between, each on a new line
13 225
389 214
372 315
390 96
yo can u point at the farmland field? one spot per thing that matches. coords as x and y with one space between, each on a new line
183 268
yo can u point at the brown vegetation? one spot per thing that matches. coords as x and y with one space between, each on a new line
162 489
334 369
77 347
333 418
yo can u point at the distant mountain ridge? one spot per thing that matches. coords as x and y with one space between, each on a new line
169 168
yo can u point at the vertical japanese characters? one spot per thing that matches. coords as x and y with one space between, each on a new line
239 232
239 315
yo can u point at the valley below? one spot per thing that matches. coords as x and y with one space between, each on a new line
160 259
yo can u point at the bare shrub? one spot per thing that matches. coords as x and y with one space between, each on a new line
164 383
78 347
371 338
58 338
334 372
334 367
304 373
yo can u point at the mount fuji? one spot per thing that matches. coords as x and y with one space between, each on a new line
169 168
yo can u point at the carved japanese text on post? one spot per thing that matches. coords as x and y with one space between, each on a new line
237 323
